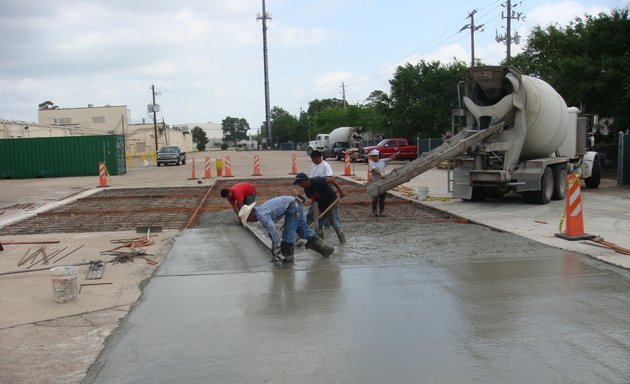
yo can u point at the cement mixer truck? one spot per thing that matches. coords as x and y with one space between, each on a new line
519 137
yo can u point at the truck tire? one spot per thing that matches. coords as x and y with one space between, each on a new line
309 150
528 197
478 194
596 175
546 188
559 182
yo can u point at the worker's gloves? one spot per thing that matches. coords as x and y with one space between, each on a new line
275 250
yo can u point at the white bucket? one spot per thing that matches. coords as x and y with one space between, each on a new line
64 283
422 193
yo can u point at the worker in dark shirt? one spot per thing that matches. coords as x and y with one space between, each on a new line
322 194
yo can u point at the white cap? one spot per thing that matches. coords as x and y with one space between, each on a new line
243 214
374 152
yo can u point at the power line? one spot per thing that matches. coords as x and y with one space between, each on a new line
439 41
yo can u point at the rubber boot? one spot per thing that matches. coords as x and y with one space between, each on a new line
381 208
287 251
341 236
317 245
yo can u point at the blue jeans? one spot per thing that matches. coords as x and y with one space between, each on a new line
294 223
332 218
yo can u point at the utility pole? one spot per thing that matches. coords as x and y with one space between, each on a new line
264 17
473 28
508 38
154 109
343 95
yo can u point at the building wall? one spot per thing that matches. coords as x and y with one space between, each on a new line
108 119
140 139
25 130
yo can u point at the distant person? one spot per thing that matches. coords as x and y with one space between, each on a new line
319 190
377 170
321 168
239 194
289 208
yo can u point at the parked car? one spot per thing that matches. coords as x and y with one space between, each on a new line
171 155
388 147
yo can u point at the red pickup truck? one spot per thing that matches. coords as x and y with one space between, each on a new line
388 147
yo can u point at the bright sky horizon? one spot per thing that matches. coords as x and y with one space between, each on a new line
205 57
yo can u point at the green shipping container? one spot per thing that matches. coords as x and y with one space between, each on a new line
61 156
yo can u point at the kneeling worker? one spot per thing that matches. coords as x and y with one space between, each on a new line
239 194
270 212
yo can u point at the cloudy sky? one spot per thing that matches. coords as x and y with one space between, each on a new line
205 57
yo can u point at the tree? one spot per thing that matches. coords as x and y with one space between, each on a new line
378 105
47 105
422 99
586 62
234 129
200 138
285 126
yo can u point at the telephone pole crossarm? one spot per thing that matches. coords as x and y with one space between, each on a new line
473 28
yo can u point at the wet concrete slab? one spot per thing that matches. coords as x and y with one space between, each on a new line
520 312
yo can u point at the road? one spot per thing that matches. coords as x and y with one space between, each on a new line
404 301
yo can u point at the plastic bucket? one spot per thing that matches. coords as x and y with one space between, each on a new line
422 193
64 283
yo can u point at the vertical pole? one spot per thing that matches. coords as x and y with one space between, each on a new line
264 18
154 118
122 119
509 28
472 38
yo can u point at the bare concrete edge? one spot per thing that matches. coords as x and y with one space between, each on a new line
48 206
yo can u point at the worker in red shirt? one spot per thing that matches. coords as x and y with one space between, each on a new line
239 194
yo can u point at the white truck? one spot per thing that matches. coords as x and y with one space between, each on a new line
519 137
334 143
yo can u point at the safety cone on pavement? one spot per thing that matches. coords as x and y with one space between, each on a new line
574 218
346 169
208 169
228 167
192 175
293 164
102 175
256 166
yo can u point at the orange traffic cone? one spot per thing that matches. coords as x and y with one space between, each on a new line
293 164
102 175
228 167
192 176
256 166
575 219
346 169
208 167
